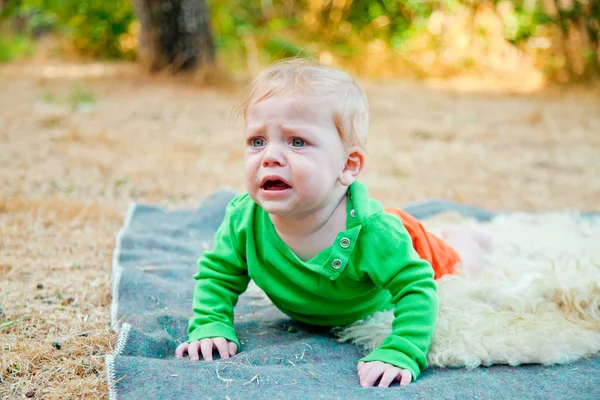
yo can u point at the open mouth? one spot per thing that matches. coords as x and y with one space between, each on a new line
275 184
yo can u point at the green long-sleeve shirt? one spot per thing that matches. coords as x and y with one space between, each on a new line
370 267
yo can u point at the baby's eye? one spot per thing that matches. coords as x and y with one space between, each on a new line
257 142
297 142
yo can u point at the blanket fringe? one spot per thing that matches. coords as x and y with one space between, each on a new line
109 361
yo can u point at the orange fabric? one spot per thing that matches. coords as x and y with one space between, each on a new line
440 255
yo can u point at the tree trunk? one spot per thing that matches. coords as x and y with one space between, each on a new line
175 34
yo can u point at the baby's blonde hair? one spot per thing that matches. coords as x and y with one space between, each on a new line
350 110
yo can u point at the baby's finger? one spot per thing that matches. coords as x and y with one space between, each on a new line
372 376
193 350
232 348
359 366
364 370
221 345
388 376
181 350
406 377
206 345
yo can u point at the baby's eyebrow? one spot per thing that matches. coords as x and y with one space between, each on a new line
291 128
255 129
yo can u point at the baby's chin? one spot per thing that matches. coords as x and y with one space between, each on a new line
278 210
288 210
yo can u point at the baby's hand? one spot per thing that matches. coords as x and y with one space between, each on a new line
370 372
226 349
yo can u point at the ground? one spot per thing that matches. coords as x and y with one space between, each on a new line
80 142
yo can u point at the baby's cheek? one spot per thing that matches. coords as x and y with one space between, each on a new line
310 190
250 163
251 187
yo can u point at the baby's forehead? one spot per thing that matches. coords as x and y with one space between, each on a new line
302 105
300 87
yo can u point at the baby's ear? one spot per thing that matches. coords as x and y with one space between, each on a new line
354 164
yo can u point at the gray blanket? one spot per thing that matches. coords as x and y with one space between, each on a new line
153 264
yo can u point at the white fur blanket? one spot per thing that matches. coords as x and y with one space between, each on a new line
537 300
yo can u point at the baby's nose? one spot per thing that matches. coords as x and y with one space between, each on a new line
274 155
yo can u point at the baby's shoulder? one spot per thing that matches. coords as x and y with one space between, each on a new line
241 210
382 229
240 201
381 219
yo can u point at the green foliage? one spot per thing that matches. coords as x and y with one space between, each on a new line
278 28
522 25
239 25
14 46
247 31
95 27
281 48
392 21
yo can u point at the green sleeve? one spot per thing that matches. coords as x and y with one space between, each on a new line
222 276
409 279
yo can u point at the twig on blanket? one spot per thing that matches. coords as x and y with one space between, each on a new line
152 268
265 333
117 381
303 351
228 363
254 378
313 374
226 380
244 362
291 363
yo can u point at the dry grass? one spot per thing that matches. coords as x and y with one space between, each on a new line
69 170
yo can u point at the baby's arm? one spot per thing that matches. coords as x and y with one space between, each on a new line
414 295
220 280
222 276
398 269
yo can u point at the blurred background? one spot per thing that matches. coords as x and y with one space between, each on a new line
490 103
382 38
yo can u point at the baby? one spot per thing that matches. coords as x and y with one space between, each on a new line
310 237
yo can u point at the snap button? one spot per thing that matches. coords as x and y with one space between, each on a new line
337 263
345 243
352 213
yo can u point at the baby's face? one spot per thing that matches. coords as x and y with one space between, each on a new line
294 155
